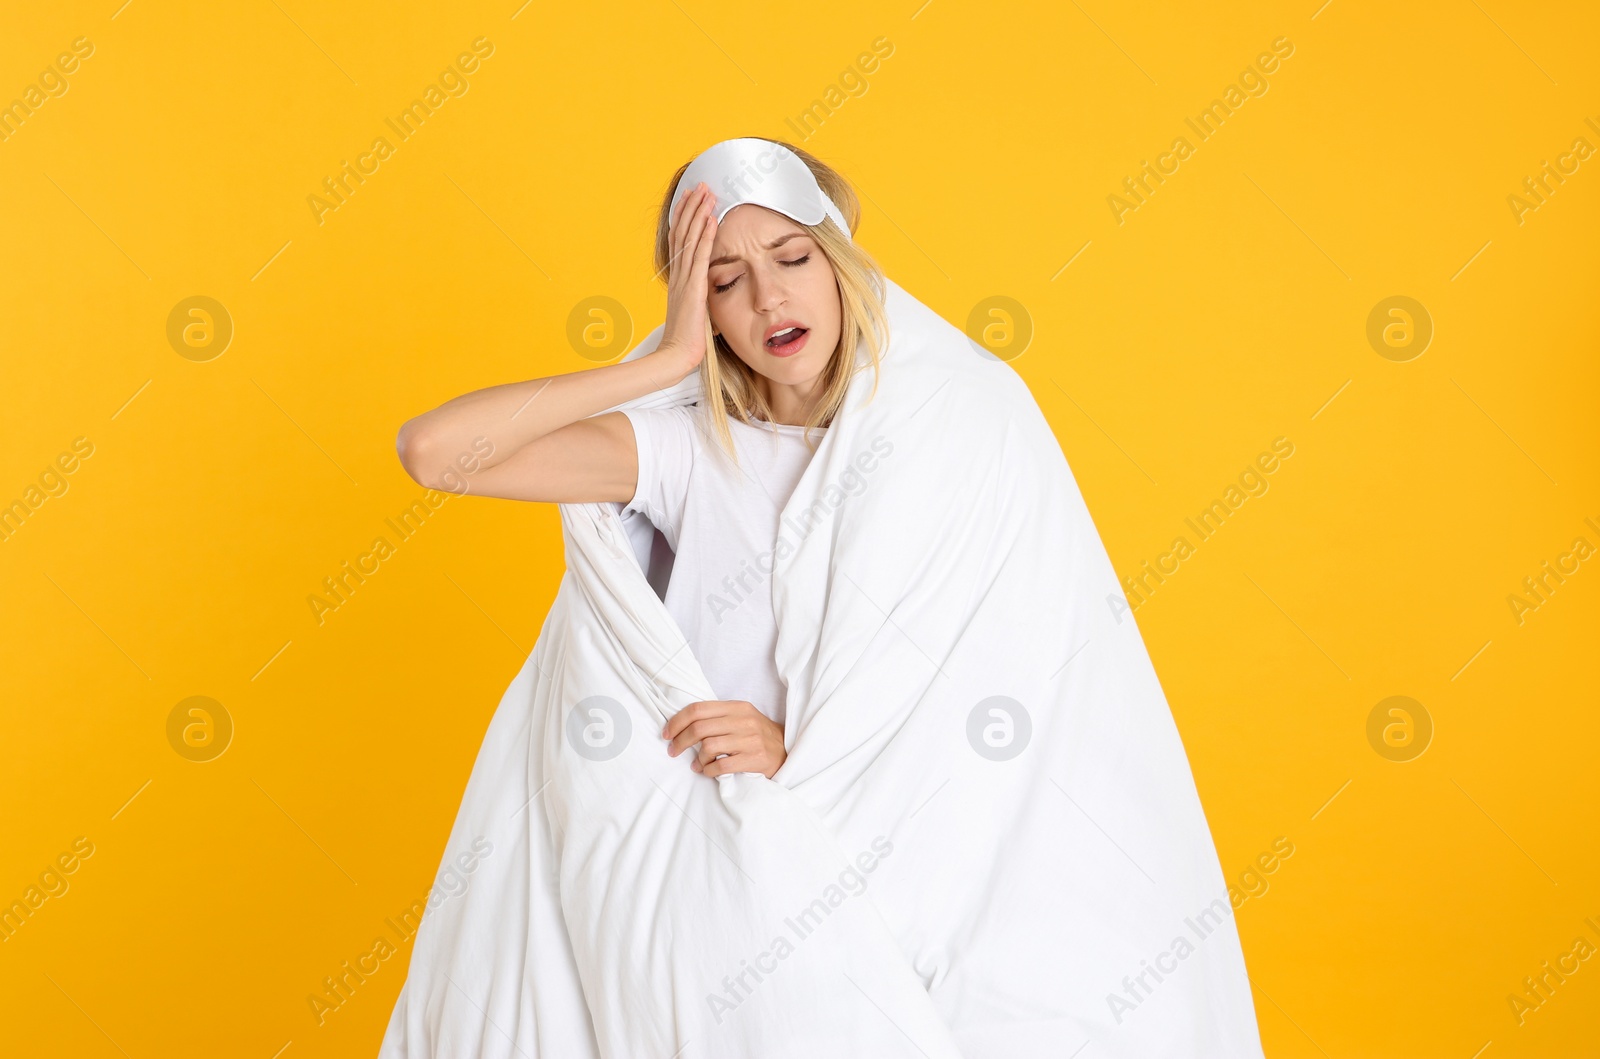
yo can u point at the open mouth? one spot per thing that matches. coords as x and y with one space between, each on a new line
787 337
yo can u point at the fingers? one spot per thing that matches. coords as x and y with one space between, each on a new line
736 763
683 209
696 711
688 715
720 727
689 219
700 731
678 225
689 229
687 202
765 764
733 736
727 760
697 247
715 746
702 252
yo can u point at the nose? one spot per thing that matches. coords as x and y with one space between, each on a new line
767 288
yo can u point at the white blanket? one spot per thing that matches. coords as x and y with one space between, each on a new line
985 841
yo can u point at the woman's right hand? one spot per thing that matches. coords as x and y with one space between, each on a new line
694 229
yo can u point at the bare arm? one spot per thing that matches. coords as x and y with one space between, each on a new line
543 439
536 440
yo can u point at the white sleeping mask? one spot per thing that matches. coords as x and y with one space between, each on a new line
762 173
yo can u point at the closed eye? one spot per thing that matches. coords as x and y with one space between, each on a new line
797 262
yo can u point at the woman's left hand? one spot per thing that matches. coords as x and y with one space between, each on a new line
751 741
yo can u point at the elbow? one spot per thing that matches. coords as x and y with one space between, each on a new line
412 446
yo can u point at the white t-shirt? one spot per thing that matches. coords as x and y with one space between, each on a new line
722 525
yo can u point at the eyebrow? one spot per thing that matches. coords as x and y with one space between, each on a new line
770 246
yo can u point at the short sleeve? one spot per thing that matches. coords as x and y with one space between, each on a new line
665 441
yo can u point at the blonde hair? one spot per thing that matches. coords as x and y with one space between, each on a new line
865 322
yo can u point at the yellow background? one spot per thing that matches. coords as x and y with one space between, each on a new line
1223 313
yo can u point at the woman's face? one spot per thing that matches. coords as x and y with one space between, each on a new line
767 273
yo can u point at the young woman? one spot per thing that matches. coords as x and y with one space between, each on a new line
787 308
